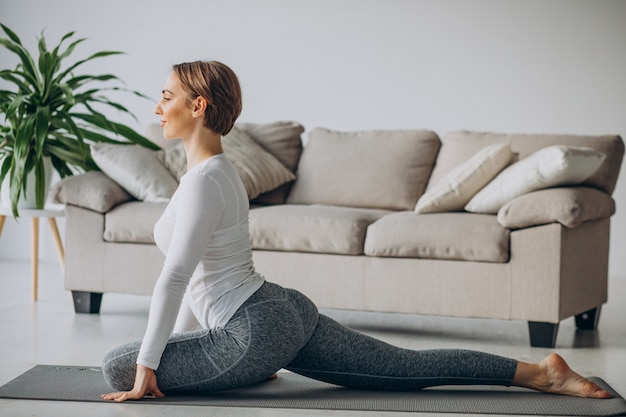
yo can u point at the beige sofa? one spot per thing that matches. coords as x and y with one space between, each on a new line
346 231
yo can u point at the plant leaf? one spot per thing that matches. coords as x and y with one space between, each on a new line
41 130
55 52
93 56
6 166
40 183
14 104
12 76
11 34
71 47
30 70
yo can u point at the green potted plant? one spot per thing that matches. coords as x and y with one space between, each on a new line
53 114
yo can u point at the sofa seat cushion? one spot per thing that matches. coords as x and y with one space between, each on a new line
132 222
459 236
311 228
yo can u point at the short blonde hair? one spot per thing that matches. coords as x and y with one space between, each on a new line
219 85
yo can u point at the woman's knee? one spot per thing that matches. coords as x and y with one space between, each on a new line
119 367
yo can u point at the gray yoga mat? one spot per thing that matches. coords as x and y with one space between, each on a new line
75 383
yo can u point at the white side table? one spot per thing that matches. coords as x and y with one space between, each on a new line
51 212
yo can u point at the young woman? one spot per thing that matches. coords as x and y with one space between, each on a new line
216 324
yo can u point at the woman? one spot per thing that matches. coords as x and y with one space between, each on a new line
230 327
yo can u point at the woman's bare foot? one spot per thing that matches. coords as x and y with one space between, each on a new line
553 375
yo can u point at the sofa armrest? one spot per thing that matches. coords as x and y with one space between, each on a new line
569 206
92 190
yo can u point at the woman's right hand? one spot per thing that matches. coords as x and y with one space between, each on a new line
145 384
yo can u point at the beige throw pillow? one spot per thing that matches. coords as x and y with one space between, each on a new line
548 167
174 159
454 190
137 170
259 170
283 139
93 190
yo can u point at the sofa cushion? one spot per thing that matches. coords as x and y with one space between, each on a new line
569 206
548 167
92 190
283 140
454 190
132 222
174 159
311 228
367 169
461 236
136 169
258 169
458 146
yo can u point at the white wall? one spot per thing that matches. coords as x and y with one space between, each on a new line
513 66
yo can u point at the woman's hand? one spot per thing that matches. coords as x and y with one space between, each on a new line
145 383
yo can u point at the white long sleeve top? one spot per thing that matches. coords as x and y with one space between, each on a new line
204 235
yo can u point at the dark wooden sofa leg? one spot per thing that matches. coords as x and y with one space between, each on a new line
543 334
87 302
589 319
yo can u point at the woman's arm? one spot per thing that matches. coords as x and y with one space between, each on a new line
198 212
199 207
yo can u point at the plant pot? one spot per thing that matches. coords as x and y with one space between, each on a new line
27 200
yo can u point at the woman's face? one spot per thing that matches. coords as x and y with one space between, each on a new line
175 113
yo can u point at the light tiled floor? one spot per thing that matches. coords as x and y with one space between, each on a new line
48 332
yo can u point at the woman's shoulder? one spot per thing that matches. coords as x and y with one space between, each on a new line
208 167
214 169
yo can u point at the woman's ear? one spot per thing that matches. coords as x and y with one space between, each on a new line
199 106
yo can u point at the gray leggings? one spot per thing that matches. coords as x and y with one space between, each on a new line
281 328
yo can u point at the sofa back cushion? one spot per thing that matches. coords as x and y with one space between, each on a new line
457 147
379 169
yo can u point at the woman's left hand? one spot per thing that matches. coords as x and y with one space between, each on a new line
145 383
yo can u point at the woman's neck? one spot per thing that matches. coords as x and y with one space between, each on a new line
201 147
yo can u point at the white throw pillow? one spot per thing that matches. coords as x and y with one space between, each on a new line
457 187
548 167
136 169
258 169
